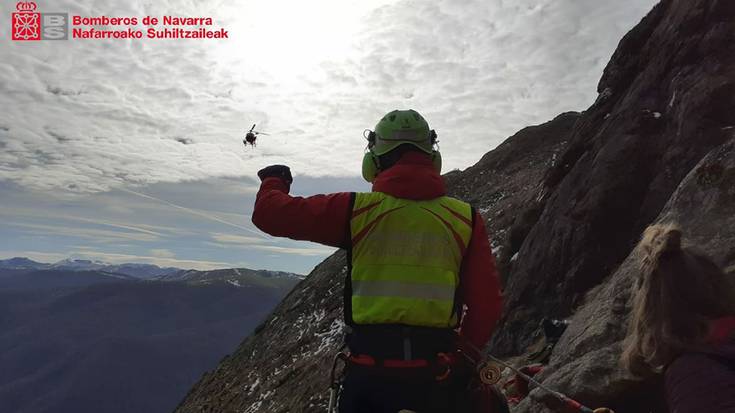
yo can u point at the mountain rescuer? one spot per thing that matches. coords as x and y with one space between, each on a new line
422 276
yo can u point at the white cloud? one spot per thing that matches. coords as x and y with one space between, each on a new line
281 250
100 235
236 239
211 216
37 221
162 253
94 115
307 252
251 243
14 215
155 122
38 256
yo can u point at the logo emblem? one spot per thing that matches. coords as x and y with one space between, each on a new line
26 22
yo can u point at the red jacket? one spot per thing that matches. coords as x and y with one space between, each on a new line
325 219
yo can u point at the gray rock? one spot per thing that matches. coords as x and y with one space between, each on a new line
673 78
585 363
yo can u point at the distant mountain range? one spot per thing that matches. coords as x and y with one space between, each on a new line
150 271
142 271
21 263
80 335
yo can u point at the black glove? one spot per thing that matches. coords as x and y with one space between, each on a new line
276 171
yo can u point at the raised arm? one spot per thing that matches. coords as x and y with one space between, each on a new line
319 218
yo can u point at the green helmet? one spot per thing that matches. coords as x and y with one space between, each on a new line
396 128
399 127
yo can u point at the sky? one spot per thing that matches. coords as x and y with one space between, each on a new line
130 150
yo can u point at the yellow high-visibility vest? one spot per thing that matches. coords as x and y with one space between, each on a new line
406 257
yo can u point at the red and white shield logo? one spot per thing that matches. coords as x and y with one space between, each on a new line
26 22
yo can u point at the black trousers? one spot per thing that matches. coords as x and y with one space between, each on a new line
389 390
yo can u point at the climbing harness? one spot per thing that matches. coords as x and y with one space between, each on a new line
489 371
443 367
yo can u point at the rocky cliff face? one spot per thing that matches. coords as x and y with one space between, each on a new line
565 203
666 100
585 361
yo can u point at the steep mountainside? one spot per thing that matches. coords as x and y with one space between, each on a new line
666 100
565 202
509 179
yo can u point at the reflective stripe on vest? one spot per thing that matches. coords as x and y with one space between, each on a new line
406 257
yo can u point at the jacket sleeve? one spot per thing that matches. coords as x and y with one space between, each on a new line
319 218
479 288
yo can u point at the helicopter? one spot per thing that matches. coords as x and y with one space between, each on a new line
251 136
